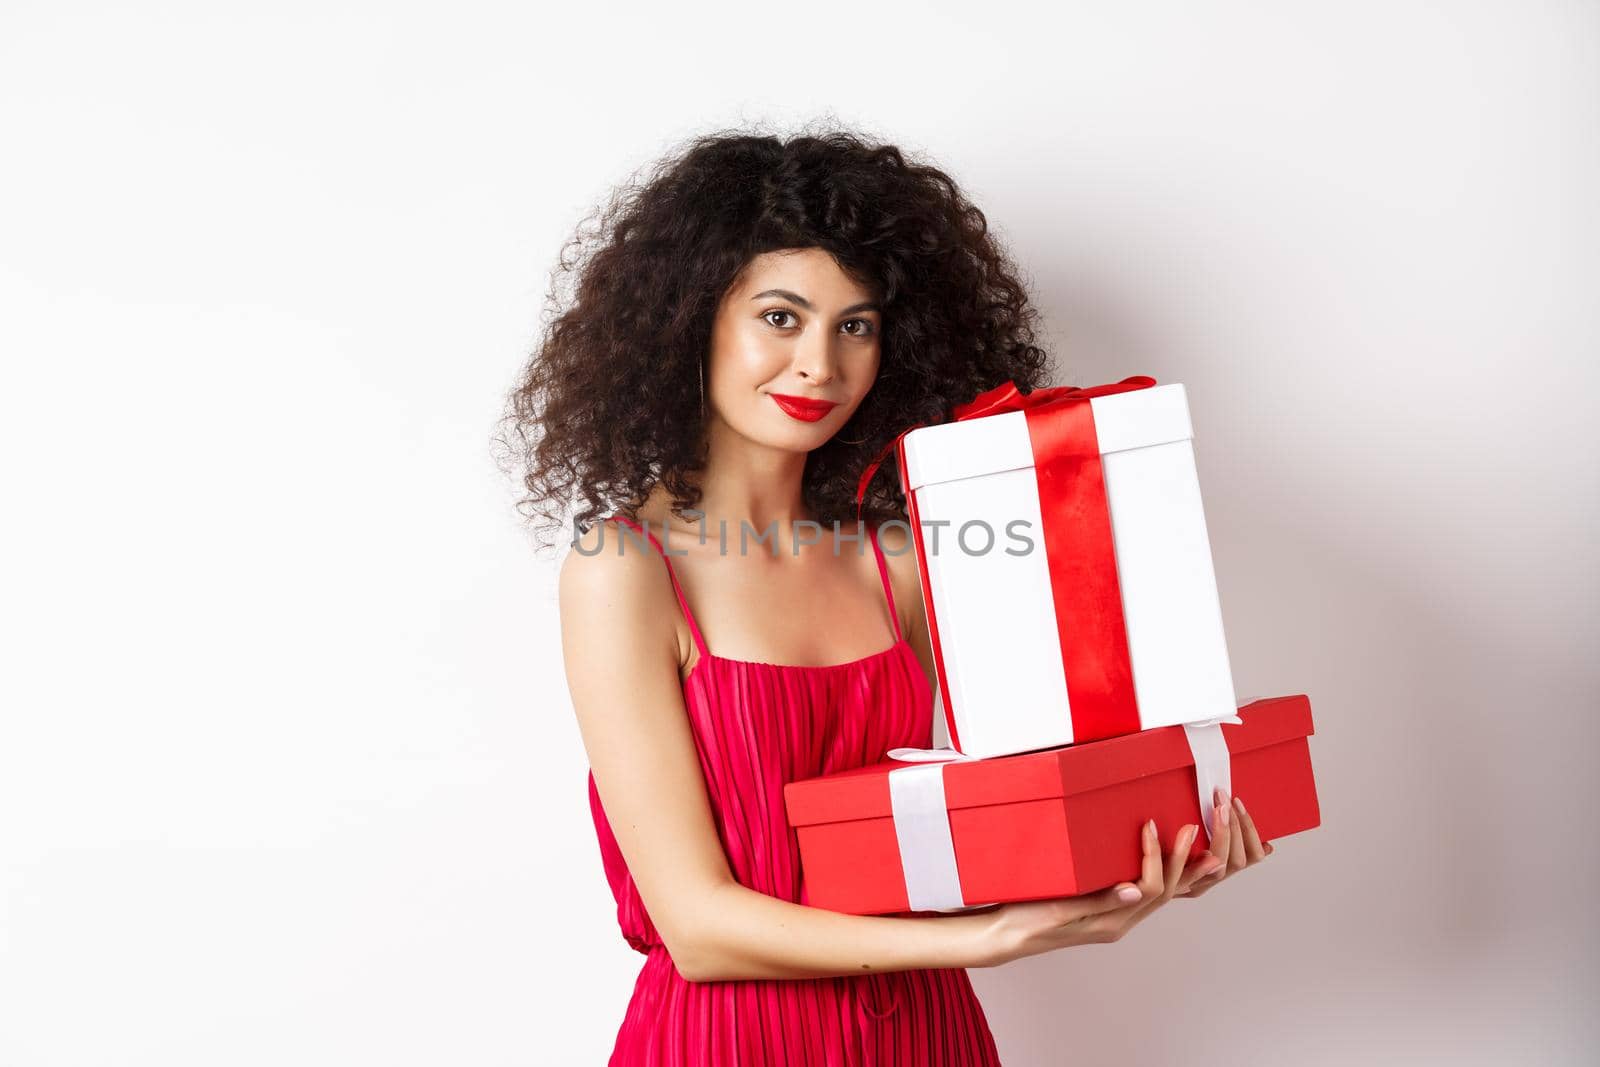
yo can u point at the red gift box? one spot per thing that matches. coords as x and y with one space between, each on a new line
1052 823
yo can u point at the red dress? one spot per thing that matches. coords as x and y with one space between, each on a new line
756 727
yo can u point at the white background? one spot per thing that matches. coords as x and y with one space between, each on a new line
288 771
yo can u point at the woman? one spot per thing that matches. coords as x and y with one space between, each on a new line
752 322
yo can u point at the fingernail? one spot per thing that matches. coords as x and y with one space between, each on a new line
1129 893
1239 802
1150 829
1189 833
1225 815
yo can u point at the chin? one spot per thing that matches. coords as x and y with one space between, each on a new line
796 437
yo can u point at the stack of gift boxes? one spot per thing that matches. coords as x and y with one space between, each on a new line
1083 676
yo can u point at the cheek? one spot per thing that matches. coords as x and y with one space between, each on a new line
748 358
869 376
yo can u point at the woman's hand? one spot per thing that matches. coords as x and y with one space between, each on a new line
1026 928
1236 845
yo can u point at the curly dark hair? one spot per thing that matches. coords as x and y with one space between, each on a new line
609 402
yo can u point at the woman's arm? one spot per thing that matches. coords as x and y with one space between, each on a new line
621 650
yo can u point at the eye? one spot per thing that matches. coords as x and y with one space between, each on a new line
867 327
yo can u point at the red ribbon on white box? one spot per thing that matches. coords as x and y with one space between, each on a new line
1079 548
922 817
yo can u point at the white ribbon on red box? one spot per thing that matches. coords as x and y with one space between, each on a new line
922 818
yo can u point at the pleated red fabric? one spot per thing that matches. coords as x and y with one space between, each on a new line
758 726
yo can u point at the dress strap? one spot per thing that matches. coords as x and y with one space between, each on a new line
888 589
694 630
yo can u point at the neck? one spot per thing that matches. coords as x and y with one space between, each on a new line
749 483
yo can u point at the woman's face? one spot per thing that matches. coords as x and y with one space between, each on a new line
794 328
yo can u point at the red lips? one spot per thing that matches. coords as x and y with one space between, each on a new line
803 408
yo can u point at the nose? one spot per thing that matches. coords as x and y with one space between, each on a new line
815 359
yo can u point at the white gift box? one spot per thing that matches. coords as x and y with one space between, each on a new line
1001 644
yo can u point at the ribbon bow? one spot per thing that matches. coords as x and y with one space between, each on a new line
1002 398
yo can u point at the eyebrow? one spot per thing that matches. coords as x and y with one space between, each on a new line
865 305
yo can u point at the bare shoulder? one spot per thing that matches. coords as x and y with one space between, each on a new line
894 537
615 600
604 567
